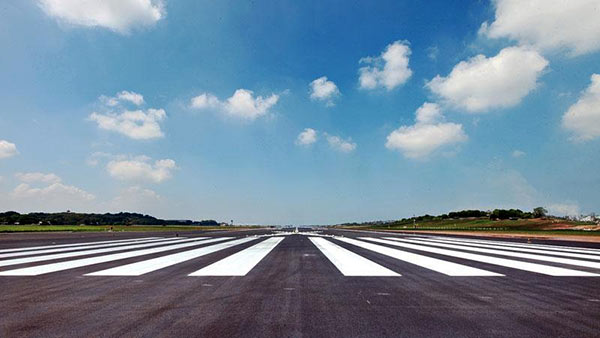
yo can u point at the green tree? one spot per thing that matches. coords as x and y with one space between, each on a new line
539 212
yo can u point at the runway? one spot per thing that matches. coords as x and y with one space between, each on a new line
306 283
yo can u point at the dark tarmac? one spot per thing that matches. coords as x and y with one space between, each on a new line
295 291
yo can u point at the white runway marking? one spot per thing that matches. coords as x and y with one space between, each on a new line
35 259
60 266
515 244
240 263
140 268
569 261
438 265
531 267
492 246
72 244
349 263
78 248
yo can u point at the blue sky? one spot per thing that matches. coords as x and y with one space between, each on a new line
292 112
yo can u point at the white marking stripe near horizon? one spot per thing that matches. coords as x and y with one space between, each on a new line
60 266
539 251
349 263
240 263
72 244
510 263
140 268
79 248
552 259
35 259
516 244
438 265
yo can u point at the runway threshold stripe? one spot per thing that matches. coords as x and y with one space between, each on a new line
510 263
240 263
438 265
559 260
514 244
76 248
73 244
43 258
60 266
492 246
349 263
140 268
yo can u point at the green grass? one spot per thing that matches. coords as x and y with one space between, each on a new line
526 226
102 228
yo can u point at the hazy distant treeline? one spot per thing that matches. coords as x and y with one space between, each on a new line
493 214
73 218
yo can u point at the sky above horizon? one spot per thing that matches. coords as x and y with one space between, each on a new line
310 112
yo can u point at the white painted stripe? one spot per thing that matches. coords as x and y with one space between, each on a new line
349 263
35 259
438 265
72 244
77 248
140 268
539 251
240 263
559 260
515 244
60 266
531 267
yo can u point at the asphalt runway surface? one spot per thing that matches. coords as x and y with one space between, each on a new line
313 283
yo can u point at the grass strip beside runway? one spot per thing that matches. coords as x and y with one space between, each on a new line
104 228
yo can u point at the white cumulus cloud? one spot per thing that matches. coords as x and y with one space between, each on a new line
341 145
242 104
40 191
482 83
307 137
204 101
7 149
324 90
428 113
54 191
141 169
583 117
573 25
427 135
32 177
123 97
117 15
139 124
388 70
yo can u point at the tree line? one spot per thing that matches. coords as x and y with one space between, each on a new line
73 218
496 214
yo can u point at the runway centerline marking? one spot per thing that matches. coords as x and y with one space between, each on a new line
350 263
438 265
240 263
